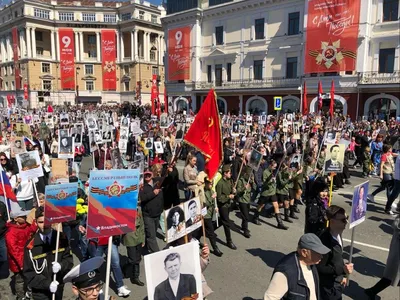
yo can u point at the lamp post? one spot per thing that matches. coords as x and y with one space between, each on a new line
139 98
77 85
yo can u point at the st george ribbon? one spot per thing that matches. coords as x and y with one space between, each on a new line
113 198
60 203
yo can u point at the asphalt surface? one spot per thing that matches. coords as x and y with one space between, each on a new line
244 274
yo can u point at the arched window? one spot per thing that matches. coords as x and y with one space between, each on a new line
326 102
290 106
256 107
382 108
181 106
222 105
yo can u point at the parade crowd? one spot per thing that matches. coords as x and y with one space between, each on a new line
289 173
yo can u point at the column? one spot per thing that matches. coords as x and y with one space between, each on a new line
33 42
53 46
145 46
241 104
77 49
133 48
135 43
9 48
98 46
119 58
28 42
58 51
160 52
21 42
3 49
81 45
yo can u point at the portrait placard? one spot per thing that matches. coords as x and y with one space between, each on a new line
17 146
334 158
175 223
65 147
91 122
192 214
29 165
255 160
59 171
359 204
148 144
64 119
159 147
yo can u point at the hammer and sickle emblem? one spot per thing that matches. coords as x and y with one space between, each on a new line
210 122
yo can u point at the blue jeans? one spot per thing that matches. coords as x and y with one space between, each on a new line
4 268
115 265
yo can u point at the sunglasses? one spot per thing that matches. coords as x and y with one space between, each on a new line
40 222
344 220
3 159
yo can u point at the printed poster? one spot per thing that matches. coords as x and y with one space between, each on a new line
67 58
29 165
175 223
109 57
15 41
59 171
60 203
334 158
179 53
359 204
332 35
113 201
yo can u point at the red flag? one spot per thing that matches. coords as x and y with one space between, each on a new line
332 103
205 134
305 102
320 92
165 100
50 109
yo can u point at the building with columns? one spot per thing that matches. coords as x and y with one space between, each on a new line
69 52
253 50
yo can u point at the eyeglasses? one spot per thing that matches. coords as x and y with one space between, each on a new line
3 159
90 291
344 220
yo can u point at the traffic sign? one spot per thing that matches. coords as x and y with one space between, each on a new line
278 103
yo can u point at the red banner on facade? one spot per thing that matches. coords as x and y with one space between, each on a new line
25 91
67 63
16 58
179 53
109 57
332 33
154 94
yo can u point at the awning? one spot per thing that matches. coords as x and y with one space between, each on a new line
88 99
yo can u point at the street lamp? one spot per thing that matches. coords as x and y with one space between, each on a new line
77 85
139 97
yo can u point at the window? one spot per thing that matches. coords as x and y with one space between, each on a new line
216 2
45 68
110 18
39 36
90 85
39 51
229 72
174 6
41 13
219 35
126 16
390 10
386 60
12 85
92 39
11 70
209 79
218 75
152 55
92 53
291 67
126 86
154 70
141 15
5 71
89 17
66 16
88 69
154 19
259 29
126 70
46 85
258 70
6 86
294 23
15 14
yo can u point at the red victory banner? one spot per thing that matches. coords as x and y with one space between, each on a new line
332 32
154 94
60 203
179 53
109 57
67 64
25 91
16 57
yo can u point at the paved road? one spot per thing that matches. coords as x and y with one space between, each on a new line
245 273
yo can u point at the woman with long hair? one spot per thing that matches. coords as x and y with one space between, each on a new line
190 176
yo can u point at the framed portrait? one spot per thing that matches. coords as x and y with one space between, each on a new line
163 267
63 133
124 134
91 122
175 226
359 204
334 158
255 160
125 122
107 133
29 165
192 214
159 147
17 146
148 144
64 118
180 131
164 120
65 147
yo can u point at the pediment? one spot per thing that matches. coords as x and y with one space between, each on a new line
89 77
47 77
217 52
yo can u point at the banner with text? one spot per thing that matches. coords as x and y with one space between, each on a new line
109 57
179 53
60 205
332 33
67 63
113 201
15 39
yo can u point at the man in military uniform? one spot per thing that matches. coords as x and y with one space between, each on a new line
225 194
87 283
243 196
40 264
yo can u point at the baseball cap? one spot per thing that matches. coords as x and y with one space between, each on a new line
311 242
19 213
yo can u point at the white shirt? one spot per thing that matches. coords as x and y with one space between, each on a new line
43 237
397 169
338 239
174 284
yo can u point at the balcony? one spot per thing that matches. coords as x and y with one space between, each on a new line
379 78
266 83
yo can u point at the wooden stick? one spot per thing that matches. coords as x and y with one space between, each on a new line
108 269
204 230
240 172
56 254
330 194
351 254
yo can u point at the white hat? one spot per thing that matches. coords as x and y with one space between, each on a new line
19 213
86 274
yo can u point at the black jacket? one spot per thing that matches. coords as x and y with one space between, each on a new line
152 204
186 288
289 265
171 191
331 268
3 219
35 254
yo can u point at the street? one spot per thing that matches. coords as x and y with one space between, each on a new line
244 274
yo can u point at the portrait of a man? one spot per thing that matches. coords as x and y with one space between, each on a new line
18 146
177 285
28 161
193 213
334 162
65 145
91 123
359 204
124 134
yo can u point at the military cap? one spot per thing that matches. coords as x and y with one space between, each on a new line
86 274
226 168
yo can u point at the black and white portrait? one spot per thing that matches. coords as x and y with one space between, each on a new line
125 122
159 147
107 134
164 120
175 223
116 159
98 137
124 134
235 129
262 119
18 146
296 130
64 119
91 123
192 214
148 144
180 131
285 125
63 133
122 145
334 158
29 165
331 137
249 120
174 273
65 145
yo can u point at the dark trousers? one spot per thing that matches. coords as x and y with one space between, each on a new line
224 214
209 227
386 184
244 212
19 285
393 195
151 225
134 254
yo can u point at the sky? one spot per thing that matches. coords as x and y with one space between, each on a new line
156 2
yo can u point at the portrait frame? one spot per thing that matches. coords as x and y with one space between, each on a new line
329 166
359 208
192 222
173 234
29 165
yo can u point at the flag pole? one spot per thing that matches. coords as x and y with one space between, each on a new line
4 191
56 254
108 269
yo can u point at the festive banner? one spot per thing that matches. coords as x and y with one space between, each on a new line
179 53
154 94
25 91
109 57
113 200
67 64
332 33
16 58
60 203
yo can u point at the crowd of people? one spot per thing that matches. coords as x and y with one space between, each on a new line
291 172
